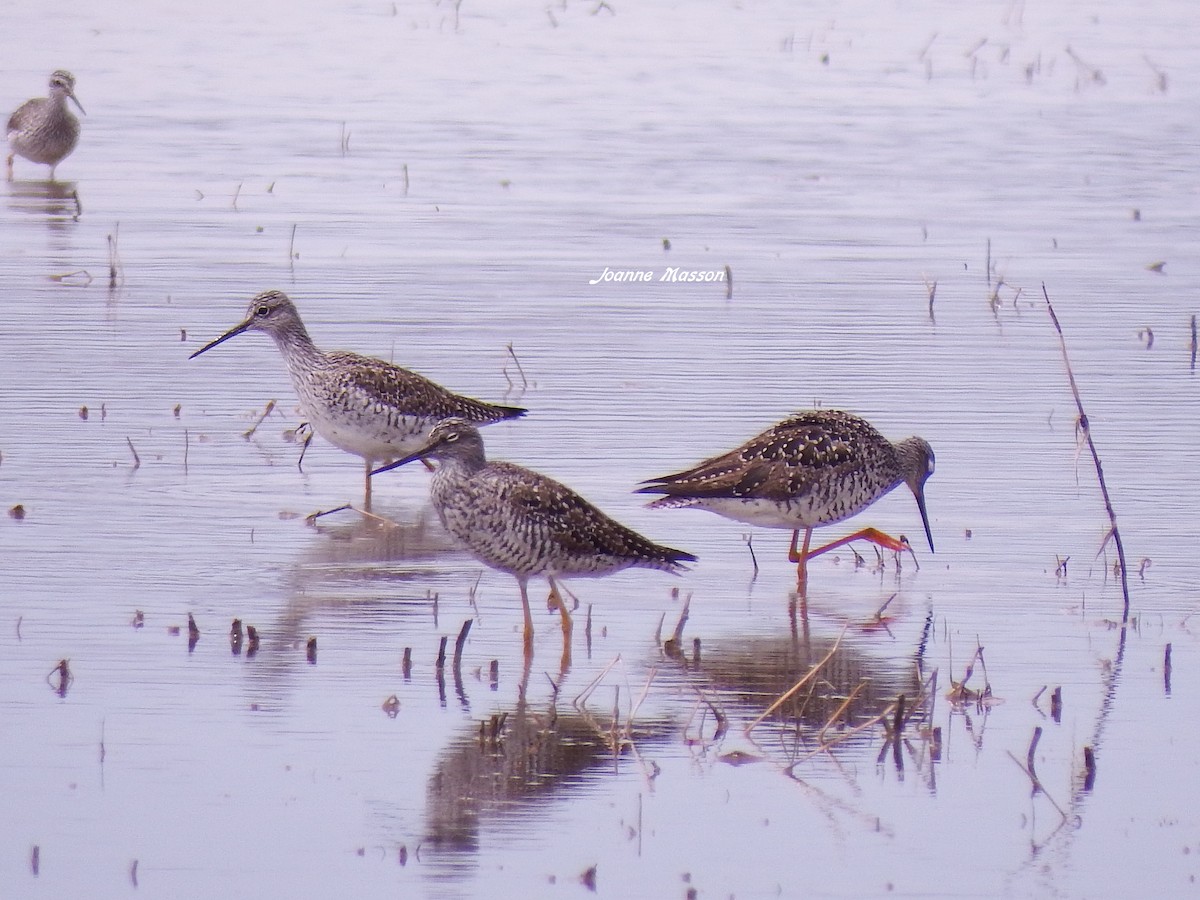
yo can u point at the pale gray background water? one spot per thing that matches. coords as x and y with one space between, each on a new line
837 157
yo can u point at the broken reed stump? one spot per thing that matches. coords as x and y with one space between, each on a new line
460 641
1114 533
441 657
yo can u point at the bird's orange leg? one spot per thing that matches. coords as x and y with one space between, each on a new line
528 618
567 624
800 557
556 597
874 535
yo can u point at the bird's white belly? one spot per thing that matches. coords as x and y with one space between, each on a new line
807 512
372 437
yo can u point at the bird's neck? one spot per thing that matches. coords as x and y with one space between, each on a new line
460 467
298 348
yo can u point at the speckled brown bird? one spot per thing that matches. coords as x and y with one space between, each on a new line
812 469
362 405
521 522
43 130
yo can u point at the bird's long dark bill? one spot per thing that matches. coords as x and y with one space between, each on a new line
232 332
420 454
77 103
925 518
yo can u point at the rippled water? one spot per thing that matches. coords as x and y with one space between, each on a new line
432 185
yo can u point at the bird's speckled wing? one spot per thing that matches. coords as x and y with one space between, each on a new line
567 523
784 462
414 394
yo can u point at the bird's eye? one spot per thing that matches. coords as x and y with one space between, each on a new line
263 311
452 437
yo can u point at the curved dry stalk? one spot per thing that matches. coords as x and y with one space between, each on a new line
808 676
1085 427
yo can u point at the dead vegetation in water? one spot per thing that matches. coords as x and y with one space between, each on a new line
267 410
513 389
60 678
116 269
1084 427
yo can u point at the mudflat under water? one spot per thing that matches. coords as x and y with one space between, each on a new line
890 188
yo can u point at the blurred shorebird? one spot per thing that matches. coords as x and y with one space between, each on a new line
813 468
43 130
521 522
363 405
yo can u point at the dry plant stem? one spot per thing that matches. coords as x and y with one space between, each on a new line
722 721
837 713
799 684
440 662
312 519
270 408
1087 431
633 710
1038 787
382 520
520 371
883 716
749 539
460 641
137 462
580 701
683 617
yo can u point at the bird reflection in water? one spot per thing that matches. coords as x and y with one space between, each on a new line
510 765
794 697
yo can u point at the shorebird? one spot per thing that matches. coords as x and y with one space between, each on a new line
813 468
43 130
362 405
521 522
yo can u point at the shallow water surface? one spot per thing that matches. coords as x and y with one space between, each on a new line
890 188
